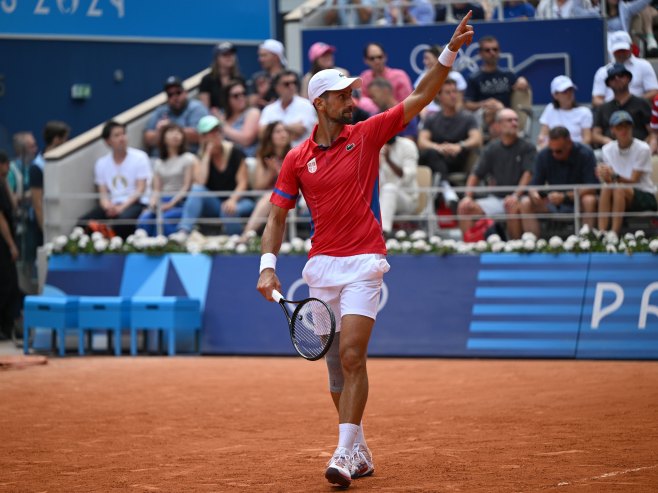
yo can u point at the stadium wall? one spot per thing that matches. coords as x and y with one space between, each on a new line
504 305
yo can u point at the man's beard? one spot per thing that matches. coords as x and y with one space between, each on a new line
345 118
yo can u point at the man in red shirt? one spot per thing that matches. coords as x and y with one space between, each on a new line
337 170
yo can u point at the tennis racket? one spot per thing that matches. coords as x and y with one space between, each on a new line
312 325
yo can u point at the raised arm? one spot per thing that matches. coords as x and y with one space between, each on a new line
430 84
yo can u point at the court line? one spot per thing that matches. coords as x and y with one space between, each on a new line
608 475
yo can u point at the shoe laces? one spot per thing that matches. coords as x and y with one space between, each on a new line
341 458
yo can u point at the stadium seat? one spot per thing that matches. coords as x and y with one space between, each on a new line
56 313
166 314
109 313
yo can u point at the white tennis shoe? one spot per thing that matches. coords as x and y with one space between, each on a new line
362 463
338 469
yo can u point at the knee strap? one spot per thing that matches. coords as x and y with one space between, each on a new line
334 366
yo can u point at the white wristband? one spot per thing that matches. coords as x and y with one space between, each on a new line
267 261
447 57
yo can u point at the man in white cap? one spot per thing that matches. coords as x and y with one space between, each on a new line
644 83
272 60
337 171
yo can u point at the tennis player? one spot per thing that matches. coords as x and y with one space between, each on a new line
336 170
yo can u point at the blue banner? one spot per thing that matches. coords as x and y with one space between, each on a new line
537 49
493 305
191 20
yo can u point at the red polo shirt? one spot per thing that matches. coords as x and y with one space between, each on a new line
341 186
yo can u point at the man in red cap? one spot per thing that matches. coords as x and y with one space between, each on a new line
337 171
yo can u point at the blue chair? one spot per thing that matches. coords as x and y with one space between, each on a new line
56 313
166 314
109 313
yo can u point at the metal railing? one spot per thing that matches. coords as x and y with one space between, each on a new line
427 219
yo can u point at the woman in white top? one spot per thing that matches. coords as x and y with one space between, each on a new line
273 148
564 111
172 179
240 120
625 160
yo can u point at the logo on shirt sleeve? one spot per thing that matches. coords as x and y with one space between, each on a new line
312 166
349 147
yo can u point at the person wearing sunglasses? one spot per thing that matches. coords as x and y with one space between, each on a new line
178 109
240 120
374 56
296 113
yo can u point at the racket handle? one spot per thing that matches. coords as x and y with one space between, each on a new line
276 295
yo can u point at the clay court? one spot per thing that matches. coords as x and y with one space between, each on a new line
225 424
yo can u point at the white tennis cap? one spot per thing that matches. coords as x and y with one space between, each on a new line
561 83
619 40
276 47
330 80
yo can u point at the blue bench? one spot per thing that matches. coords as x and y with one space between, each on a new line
56 313
109 313
168 315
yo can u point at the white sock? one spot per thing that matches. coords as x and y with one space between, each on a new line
360 437
448 193
346 435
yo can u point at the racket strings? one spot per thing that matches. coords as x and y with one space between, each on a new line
311 327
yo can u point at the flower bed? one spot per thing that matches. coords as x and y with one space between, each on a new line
415 243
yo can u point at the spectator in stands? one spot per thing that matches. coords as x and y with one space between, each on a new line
515 10
558 9
644 83
121 177
459 10
55 133
296 113
321 56
618 80
172 180
223 69
490 88
431 58
222 169
505 162
375 57
409 12
625 160
273 148
653 125
349 12
180 110
562 162
9 290
272 61
25 151
566 112
240 120
398 185
447 139
381 93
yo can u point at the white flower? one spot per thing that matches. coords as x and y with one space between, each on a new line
584 230
653 245
96 235
541 243
491 239
572 239
213 246
481 246
528 236
400 234
77 233
418 235
297 244
83 241
639 234
419 245
509 247
568 245
61 241
450 244
555 242
392 244
141 233
529 245
436 241
48 248
585 244
229 246
250 234
193 247
406 245
131 239
241 249
307 245
116 242
631 243
498 247
612 249
286 248
611 237
629 236
463 247
622 246
101 244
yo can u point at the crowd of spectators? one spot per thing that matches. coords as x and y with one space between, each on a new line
232 138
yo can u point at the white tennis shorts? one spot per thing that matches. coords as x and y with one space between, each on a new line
349 285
